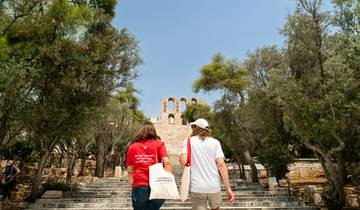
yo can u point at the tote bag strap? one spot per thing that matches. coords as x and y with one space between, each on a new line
188 162
156 154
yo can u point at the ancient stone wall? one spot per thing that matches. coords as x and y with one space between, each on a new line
53 174
306 181
170 125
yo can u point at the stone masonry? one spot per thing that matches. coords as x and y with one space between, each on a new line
170 125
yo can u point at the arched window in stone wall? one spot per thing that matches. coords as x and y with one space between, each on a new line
183 104
171 119
194 100
171 105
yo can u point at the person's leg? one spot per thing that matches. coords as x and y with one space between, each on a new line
140 198
156 204
198 201
6 191
11 187
214 200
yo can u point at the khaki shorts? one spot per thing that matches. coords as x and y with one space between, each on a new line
199 200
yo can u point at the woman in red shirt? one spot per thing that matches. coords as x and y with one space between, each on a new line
142 154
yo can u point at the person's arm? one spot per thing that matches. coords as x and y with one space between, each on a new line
130 170
130 165
183 159
17 170
163 156
183 155
221 165
167 164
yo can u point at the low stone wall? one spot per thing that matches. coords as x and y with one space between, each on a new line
51 174
306 181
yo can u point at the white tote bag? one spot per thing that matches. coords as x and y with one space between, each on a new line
185 179
162 183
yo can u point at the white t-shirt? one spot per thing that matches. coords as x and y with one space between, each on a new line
205 176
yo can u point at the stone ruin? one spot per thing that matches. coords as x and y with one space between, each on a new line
170 125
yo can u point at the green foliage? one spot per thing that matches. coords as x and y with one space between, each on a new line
21 150
195 111
59 66
220 74
275 158
225 128
318 91
304 95
128 98
4 49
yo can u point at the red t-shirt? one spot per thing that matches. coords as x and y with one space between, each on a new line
141 155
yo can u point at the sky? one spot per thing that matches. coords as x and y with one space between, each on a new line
178 37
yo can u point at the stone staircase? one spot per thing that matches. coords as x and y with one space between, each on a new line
114 194
173 136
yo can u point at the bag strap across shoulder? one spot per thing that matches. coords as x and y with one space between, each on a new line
188 162
156 154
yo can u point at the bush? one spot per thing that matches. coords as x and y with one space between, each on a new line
275 158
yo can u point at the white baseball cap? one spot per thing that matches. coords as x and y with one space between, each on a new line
201 123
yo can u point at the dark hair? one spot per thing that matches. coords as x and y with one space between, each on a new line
202 133
147 131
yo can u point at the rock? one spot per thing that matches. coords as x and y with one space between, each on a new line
353 201
62 171
53 194
311 196
352 198
283 183
273 183
350 190
118 171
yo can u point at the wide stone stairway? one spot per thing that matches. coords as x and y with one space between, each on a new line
114 194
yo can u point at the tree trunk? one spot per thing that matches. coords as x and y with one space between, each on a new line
243 171
336 181
3 128
334 172
336 201
251 162
100 156
38 176
241 166
105 165
82 166
70 168
341 167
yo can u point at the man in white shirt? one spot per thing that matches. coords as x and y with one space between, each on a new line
207 160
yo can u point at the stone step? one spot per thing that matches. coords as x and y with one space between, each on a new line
114 193
117 196
127 187
188 207
127 184
238 181
128 199
103 194
166 204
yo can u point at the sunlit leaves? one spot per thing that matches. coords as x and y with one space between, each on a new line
221 74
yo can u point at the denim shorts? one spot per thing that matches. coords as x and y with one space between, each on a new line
140 199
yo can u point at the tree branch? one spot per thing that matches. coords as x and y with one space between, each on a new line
341 145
